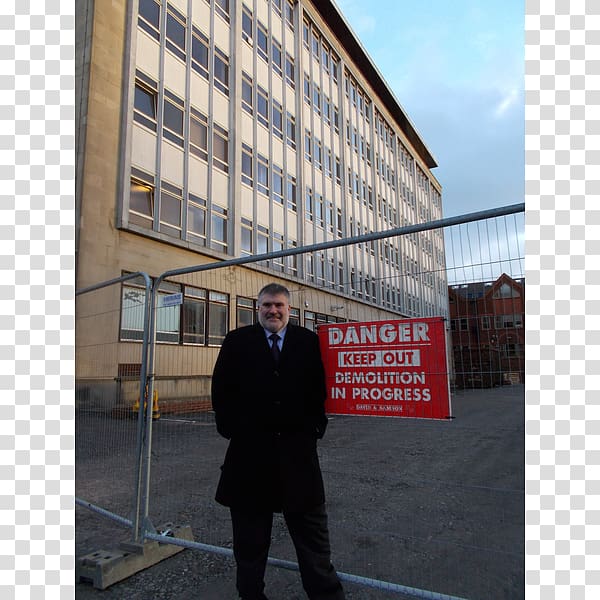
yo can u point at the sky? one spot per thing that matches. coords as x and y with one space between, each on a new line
457 69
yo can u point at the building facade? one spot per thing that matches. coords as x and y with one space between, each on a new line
487 321
212 129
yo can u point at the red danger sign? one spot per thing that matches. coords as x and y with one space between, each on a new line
394 368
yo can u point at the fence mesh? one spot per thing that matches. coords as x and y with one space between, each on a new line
107 405
434 505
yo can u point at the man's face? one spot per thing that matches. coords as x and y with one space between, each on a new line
273 312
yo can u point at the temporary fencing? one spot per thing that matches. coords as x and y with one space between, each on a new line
398 525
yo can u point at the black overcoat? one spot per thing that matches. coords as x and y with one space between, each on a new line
273 417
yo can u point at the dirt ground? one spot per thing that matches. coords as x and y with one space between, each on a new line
433 505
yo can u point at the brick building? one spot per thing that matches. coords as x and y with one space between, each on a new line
488 335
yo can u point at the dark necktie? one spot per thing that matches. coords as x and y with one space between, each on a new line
275 347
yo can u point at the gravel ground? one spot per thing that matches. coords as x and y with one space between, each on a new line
433 505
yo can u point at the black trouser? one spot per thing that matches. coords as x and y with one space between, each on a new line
309 533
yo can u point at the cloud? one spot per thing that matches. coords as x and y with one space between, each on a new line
510 99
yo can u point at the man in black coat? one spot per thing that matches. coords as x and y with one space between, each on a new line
268 394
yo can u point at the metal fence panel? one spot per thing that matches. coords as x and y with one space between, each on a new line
436 507
108 417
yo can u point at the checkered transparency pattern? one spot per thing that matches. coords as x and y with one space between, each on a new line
36 296
563 306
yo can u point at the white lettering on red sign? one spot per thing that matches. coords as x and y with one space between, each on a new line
380 358
387 333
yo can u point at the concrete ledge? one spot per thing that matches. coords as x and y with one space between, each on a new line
105 567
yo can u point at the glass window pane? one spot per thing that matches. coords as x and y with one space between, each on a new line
175 31
170 209
132 313
173 118
200 52
219 228
220 147
196 220
144 102
198 134
150 11
217 323
193 322
141 198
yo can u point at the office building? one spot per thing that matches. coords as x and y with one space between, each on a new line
214 129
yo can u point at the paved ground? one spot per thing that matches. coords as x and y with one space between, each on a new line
434 505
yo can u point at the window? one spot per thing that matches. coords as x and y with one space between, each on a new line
218 321
325 58
326 110
247 243
247 177
186 323
335 68
315 45
290 130
198 134
278 184
218 223
308 204
173 118
290 71
262 174
149 17
291 193
247 100
289 14
320 264
221 71
245 311
262 238
222 8
292 261
295 316
306 89
196 219
167 317
262 106
144 106
309 320
508 321
329 215
318 155
194 316
506 291
310 268
199 52
305 33
133 298
307 145
171 199
262 41
317 99
141 200
328 171
176 32
247 24
485 320
276 57
278 263
319 209
220 148
277 119
513 350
